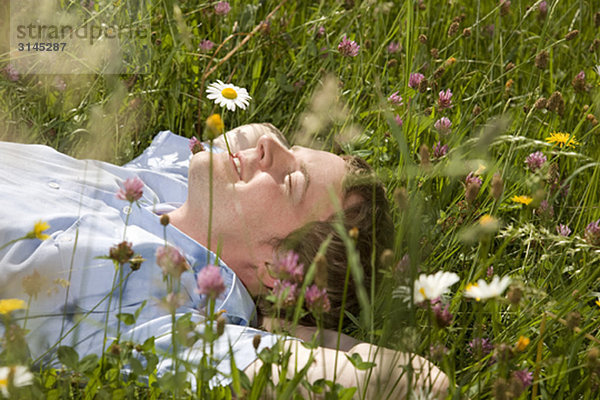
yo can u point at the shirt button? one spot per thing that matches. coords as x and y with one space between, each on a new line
53 185
127 210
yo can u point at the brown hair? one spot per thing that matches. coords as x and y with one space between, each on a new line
365 208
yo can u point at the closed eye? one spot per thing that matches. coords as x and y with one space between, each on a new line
289 184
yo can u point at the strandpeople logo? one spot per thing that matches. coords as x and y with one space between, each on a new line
80 37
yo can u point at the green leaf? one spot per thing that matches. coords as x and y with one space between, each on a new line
68 357
53 394
148 344
358 362
151 362
346 393
136 366
236 383
140 308
126 318
88 363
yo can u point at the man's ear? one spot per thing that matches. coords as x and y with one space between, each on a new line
265 275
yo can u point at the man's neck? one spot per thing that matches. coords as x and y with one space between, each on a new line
187 223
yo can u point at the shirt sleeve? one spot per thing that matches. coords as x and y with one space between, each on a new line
236 341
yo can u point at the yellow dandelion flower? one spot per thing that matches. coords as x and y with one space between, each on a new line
562 139
38 231
522 343
522 200
214 126
487 220
9 305
449 62
598 302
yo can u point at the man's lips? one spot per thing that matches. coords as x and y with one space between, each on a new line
237 165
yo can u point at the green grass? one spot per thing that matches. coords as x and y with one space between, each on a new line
494 123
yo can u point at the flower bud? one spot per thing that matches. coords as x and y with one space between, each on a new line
573 319
453 29
497 186
514 295
571 35
115 349
221 325
471 192
556 103
387 258
121 253
135 262
214 126
540 103
195 145
164 220
541 59
256 341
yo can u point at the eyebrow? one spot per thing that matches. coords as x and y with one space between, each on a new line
306 180
304 171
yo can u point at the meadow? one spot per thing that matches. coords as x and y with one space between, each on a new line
480 117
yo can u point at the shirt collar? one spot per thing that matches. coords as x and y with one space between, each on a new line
236 302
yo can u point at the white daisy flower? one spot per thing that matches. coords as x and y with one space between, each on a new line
18 375
429 287
483 290
228 95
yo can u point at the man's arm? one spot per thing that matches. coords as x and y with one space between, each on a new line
389 378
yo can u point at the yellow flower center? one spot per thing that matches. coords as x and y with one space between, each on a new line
3 382
422 291
229 93
470 287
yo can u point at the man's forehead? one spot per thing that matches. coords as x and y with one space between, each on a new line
326 170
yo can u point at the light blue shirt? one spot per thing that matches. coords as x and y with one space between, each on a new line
77 198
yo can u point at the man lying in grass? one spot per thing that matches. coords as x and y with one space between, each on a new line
92 280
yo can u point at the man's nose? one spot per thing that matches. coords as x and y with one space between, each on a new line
273 156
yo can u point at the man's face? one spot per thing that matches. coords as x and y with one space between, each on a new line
262 193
